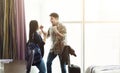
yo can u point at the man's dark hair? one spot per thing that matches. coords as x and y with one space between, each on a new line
55 15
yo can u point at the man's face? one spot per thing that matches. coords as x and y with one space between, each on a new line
53 20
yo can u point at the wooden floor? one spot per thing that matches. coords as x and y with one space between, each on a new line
15 67
18 67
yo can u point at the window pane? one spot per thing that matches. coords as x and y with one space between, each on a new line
74 40
69 10
102 44
102 10
32 12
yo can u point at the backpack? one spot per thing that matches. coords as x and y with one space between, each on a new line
33 53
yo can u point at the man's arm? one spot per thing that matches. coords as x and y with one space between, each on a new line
48 33
61 34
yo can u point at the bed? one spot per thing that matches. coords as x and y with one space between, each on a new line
104 69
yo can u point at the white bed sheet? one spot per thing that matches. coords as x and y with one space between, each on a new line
104 69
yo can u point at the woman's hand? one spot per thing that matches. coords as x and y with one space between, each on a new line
41 28
44 33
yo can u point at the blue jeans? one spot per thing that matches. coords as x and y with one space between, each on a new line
50 58
41 66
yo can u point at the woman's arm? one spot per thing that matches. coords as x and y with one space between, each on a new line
44 33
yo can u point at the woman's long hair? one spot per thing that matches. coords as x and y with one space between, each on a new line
32 28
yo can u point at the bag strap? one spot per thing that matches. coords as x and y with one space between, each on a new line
68 59
33 36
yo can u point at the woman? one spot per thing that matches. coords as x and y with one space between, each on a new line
37 39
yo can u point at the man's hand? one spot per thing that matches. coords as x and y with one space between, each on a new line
57 32
55 29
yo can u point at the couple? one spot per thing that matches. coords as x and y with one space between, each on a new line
58 34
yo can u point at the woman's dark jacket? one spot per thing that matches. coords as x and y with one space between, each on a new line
38 40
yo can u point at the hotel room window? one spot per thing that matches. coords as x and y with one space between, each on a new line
92 26
102 32
70 12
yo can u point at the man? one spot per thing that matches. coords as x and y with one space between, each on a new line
57 33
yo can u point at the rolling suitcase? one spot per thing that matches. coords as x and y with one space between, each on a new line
73 68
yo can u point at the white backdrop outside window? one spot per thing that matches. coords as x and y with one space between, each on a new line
102 44
102 10
74 40
102 32
69 11
102 28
